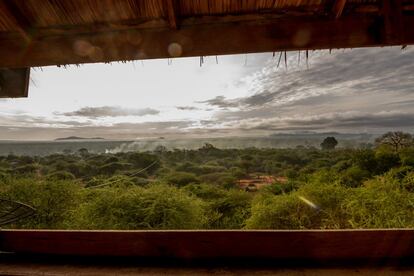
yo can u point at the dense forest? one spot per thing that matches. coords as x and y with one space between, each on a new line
212 188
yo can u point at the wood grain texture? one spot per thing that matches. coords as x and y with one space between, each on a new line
104 269
313 245
338 8
394 28
170 8
14 83
201 40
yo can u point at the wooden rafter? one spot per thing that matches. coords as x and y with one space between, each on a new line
20 21
169 6
338 8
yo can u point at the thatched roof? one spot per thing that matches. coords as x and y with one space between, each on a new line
50 32
59 32
55 14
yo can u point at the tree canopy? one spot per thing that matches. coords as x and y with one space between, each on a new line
396 139
300 188
329 143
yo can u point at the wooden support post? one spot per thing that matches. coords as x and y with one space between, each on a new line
14 83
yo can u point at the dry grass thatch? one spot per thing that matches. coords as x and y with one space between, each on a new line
50 13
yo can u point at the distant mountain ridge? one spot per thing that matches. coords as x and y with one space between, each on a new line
78 138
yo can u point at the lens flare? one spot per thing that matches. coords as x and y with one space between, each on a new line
309 203
175 49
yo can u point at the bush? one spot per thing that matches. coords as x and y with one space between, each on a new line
112 168
181 178
278 212
289 211
408 182
353 177
224 209
380 204
61 175
4 176
407 157
119 181
281 188
52 200
365 160
25 169
143 160
228 211
386 161
156 207
225 180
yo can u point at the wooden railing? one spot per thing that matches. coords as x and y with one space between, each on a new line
272 244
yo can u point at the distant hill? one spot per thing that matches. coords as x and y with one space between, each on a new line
78 138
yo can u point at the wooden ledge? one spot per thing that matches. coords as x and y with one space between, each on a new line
315 245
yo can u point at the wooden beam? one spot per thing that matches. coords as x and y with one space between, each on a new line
169 6
338 8
21 22
195 39
316 245
14 83
392 13
46 265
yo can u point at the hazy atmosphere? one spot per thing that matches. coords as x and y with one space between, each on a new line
350 91
242 144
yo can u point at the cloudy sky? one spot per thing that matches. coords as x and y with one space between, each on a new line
358 90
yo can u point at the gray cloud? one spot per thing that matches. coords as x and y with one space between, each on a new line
379 71
352 90
221 102
109 111
115 131
187 108
348 122
348 91
26 120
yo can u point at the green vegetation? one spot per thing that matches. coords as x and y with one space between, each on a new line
329 143
195 189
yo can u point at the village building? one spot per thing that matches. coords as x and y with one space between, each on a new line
257 182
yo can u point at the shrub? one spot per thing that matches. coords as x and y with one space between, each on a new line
61 175
365 160
225 180
112 168
386 160
354 177
407 156
289 211
408 182
278 212
156 207
281 188
52 200
228 211
380 204
25 169
181 178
